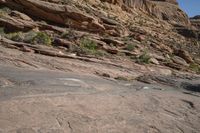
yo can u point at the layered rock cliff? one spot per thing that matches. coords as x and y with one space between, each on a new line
163 9
195 21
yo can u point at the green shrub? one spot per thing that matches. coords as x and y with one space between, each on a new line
65 34
88 44
101 53
130 47
4 10
195 67
144 58
2 32
66 1
130 43
15 36
2 14
70 34
21 36
29 36
42 38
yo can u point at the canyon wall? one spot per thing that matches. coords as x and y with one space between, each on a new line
164 9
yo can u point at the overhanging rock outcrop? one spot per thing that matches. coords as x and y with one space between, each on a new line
61 14
71 16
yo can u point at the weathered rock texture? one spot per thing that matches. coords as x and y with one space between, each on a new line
163 9
61 14
116 27
195 21
117 39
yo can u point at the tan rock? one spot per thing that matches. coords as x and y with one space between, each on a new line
185 55
197 60
154 61
159 70
16 24
195 21
113 41
156 56
163 9
110 50
62 14
180 61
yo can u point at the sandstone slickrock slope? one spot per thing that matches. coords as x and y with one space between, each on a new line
145 31
98 66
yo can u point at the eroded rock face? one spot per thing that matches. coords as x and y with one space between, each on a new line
196 21
169 1
61 14
164 9
196 17
137 3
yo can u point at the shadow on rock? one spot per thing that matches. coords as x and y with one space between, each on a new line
191 87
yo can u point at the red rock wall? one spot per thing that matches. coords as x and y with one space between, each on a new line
164 9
